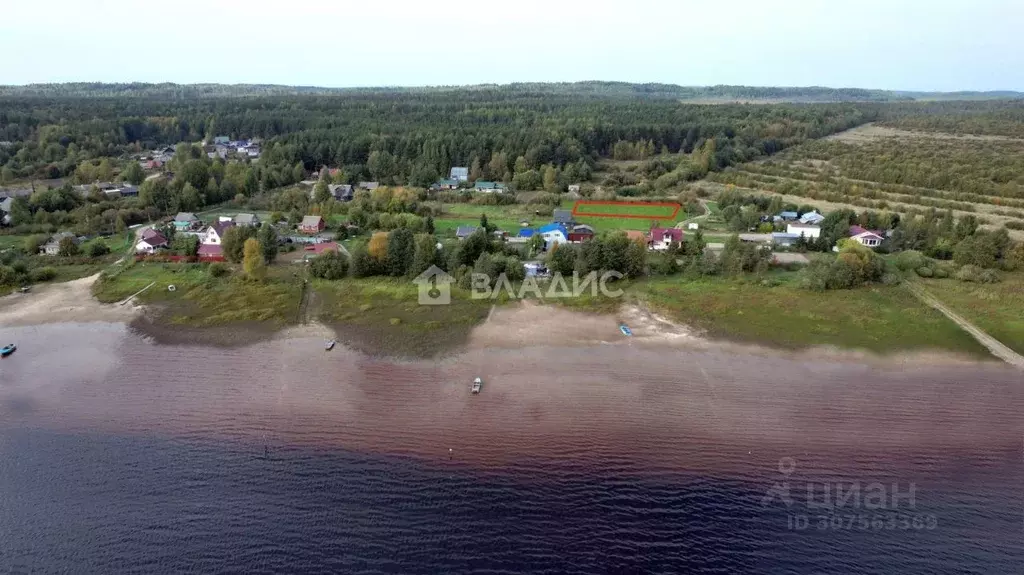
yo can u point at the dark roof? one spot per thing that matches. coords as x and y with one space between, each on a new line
463 231
562 216
221 227
153 237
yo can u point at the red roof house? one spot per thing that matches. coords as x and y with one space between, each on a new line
865 237
211 253
662 238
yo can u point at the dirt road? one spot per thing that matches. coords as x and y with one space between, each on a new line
994 345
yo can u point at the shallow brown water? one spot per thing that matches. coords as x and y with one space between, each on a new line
586 412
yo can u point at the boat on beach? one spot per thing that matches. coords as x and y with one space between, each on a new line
7 350
625 329
477 385
329 345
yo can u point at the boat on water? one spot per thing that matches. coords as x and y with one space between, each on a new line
329 345
625 329
7 350
477 385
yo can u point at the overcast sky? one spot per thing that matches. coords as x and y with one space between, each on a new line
894 44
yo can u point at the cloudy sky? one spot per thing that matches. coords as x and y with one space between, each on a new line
893 44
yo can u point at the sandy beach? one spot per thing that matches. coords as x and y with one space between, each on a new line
62 302
522 325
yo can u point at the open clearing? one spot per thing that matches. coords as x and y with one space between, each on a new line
872 131
618 209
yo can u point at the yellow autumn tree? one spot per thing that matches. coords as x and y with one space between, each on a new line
252 260
378 246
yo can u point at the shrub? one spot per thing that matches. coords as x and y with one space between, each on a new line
891 279
97 248
219 270
941 272
910 260
925 272
989 277
329 265
968 273
43 274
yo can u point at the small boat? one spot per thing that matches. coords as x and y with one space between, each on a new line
477 384
7 350
625 329
328 346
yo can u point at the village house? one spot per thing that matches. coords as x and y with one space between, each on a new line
489 187
150 241
809 231
222 140
214 234
788 216
246 220
446 185
369 185
563 217
463 232
784 240
211 253
574 189
312 225
663 238
52 246
812 218
185 221
341 192
866 237
581 233
555 233
459 174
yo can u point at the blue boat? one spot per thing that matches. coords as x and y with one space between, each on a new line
625 329
7 350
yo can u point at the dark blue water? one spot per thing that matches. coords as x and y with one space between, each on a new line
91 503
120 456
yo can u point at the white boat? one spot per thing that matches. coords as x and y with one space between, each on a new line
329 345
477 384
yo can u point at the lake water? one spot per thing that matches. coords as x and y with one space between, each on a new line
118 456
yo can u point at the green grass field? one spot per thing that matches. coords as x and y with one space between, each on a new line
638 210
879 319
998 308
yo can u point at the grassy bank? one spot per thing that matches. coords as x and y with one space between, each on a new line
880 319
201 300
379 315
997 308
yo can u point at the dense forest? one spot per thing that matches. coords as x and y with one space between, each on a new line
404 137
577 89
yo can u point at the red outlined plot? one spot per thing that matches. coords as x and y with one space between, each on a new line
619 209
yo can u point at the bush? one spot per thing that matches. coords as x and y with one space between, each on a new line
941 272
925 272
219 270
43 274
891 279
989 277
97 248
968 273
910 260
330 265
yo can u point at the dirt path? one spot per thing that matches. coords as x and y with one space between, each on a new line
994 345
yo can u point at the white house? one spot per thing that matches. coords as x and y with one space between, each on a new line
811 218
459 174
215 233
663 238
554 233
865 237
150 242
808 230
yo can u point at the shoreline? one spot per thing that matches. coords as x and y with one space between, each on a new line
515 326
